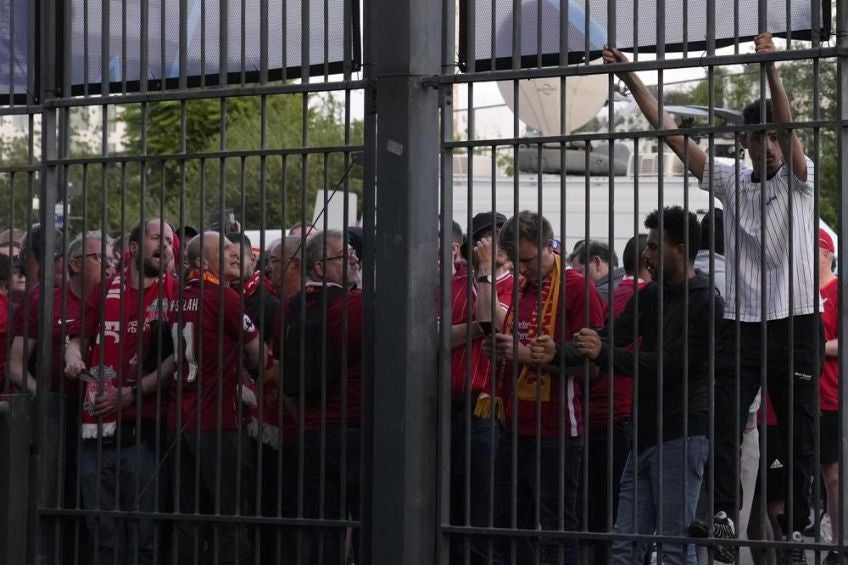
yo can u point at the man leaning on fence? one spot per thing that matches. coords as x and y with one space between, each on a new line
324 323
476 411
662 476
217 461
791 357
545 406
117 352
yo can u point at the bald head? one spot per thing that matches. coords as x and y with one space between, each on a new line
204 253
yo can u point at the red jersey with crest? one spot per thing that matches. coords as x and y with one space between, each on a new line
551 412
207 353
829 380
461 312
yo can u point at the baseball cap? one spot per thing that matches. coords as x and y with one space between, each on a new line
486 221
825 241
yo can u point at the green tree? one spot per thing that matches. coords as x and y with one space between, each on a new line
17 189
189 190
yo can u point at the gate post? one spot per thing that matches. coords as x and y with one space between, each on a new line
42 494
404 48
15 426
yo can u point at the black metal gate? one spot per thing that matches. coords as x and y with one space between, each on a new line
389 429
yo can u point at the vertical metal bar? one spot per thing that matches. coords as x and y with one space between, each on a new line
660 36
304 41
712 322
612 23
446 103
466 416
163 45
203 61
326 41
842 175
85 46
242 45
183 79
40 495
818 360
144 64
404 510
224 46
370 21
263 70
12 46
123 46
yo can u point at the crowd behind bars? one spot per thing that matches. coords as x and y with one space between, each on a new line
201 377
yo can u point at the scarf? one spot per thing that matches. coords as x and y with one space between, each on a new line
529 386
106 355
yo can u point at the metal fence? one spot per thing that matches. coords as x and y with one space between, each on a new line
289 396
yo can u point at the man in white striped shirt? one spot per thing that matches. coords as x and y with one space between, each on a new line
768 218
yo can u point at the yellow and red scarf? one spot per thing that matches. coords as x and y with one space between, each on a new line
529 386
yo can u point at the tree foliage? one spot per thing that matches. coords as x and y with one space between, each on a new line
17 189
214 165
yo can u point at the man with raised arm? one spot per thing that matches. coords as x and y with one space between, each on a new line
785 174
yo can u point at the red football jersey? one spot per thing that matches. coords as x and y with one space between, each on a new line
26 325
574 311
481 365
622 402
201 339
4 333
155 299
829 380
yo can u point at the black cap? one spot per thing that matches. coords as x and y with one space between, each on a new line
483 221
33 241
356 240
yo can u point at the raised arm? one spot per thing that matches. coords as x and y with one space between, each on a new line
650 108
789 142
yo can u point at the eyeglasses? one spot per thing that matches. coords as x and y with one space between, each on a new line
99 257
350 255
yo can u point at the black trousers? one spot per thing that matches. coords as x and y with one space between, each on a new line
213 480
791 389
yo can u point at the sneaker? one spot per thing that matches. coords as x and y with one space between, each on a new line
826 529
698 529
723 528
796 556
832 558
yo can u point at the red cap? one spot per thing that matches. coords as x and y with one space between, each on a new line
825 241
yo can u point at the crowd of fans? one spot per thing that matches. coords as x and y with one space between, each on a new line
203 377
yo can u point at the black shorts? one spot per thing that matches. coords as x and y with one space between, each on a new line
829 437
